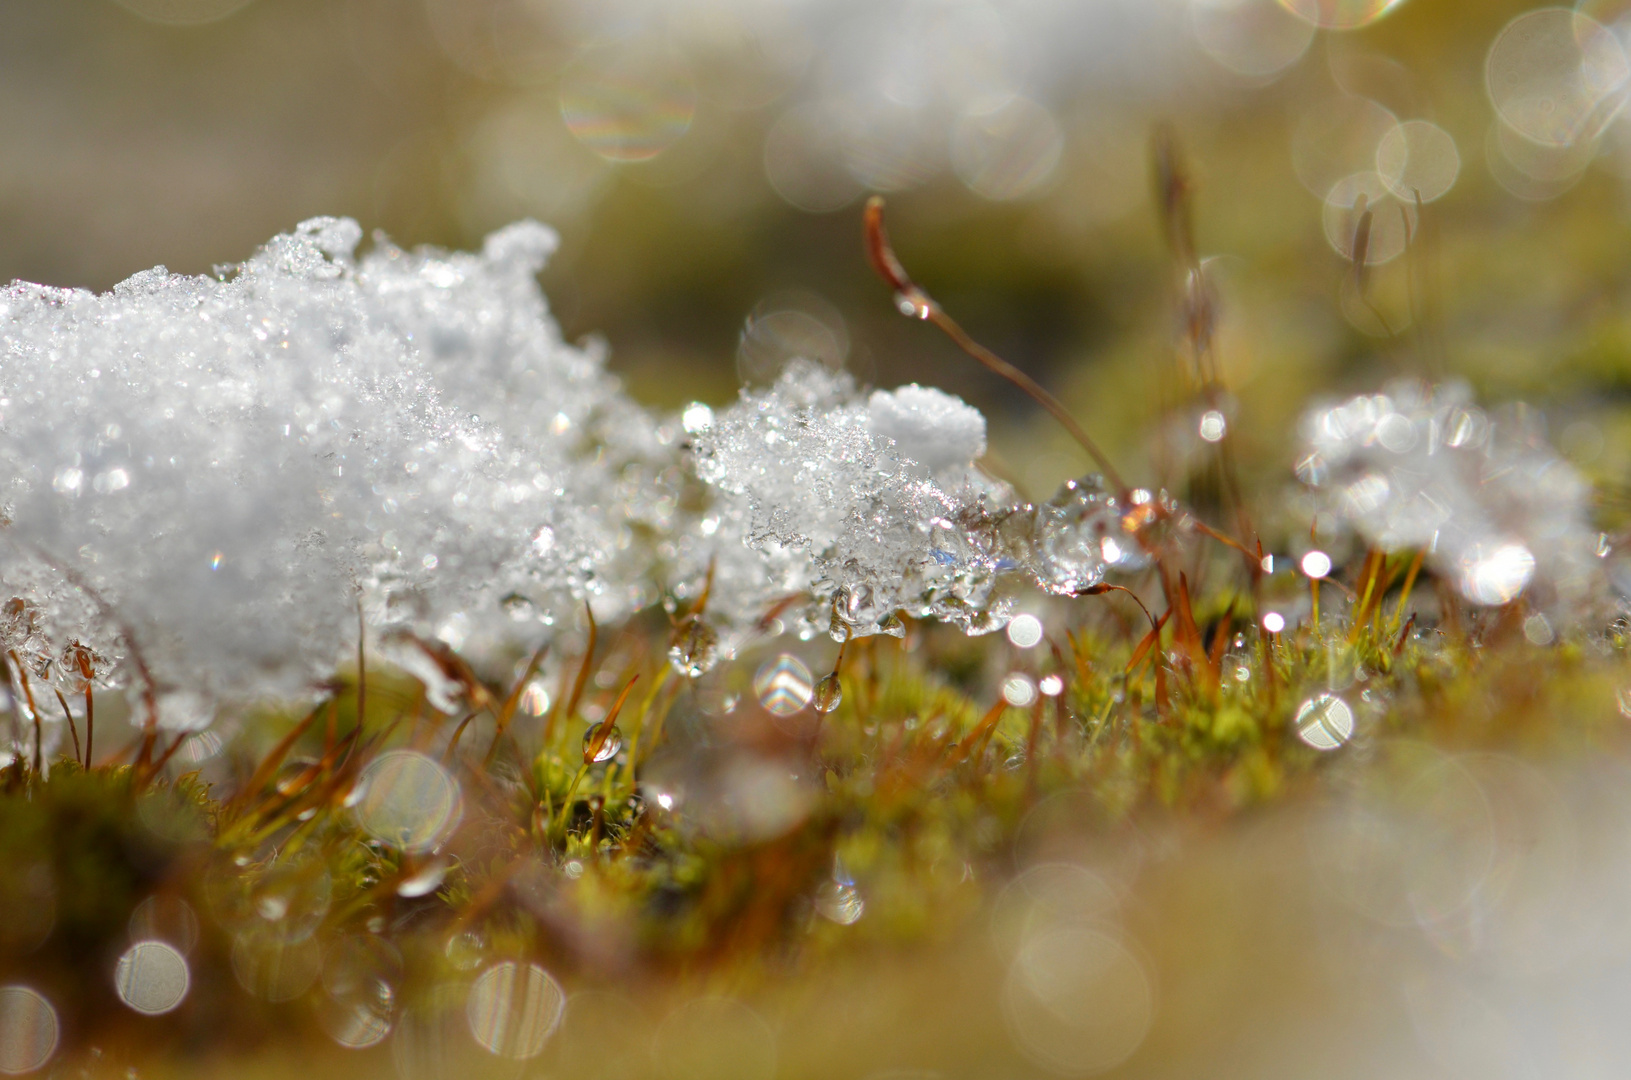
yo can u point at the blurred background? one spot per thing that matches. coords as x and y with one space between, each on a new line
705 162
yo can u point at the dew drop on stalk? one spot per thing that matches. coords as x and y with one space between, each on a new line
29 1030
598 747
513 1009
784 685
152 977
1324 722
829 693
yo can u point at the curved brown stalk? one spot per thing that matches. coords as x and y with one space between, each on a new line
913 301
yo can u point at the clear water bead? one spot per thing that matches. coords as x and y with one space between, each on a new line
599 747
829 693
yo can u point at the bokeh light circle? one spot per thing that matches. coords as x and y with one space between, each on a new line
1255 39
1418 158
513 1009
1337 137
803 160
29 1030
183 12
408 800
1077 1000
1324 722
152 977
1557 77
1340 14
1009 152
714 1037
628 102
1346 204
784 685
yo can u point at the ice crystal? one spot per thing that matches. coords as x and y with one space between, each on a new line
871 505
1495 509
205 474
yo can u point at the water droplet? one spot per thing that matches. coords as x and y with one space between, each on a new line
513 1009
28 1030
1324 722
892 625
913 305
535 698
598 747
408 800
426 879
1213 426
829 693
152 977
519 608
1051 685
840 901
697 651
783 685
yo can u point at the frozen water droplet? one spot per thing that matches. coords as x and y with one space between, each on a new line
519 608
598 747
892 625
829 693
783 685
697 651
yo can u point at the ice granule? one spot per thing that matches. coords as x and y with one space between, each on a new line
1496 510
206 475
821 486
